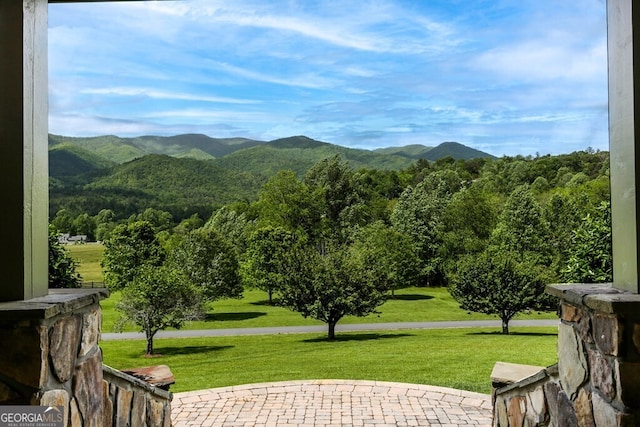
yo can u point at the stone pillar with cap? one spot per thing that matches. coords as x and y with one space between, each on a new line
597 378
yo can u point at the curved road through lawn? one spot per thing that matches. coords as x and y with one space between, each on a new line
323 328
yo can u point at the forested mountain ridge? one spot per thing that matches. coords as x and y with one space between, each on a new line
67 159
181 186
446 149
299 153
187 173
413 151
456 150
114 149
122 150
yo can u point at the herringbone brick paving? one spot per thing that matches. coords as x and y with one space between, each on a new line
324 403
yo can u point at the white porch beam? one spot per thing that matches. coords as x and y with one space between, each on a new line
623 18
23 148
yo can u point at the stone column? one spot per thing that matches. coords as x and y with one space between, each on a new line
23 148
598 356
50 354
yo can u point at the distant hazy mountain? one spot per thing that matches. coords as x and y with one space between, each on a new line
455 150
122 150
415 151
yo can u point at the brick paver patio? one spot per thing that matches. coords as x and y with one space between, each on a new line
331 403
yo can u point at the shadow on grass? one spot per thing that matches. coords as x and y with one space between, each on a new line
273 303
192 349
358 337
409 297
521 334
226 317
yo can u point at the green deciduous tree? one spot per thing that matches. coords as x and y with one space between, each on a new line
63 222
522 228
287 202
210 263
469 220
86 225
233 226
341 206
130 247
328 287
160 220
590 259
265 259
158 298
419 213
62 268
105 223
389 255
188 224
563 213
499 283
510 275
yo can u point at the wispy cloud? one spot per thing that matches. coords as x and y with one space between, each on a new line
367 26
215 116
307 80
159 94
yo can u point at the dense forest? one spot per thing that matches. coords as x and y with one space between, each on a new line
434 213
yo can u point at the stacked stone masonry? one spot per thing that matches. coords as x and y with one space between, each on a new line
597 379
50 357
133 402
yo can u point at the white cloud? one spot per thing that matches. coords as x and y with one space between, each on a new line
536 60
308 79
159 94
214 116
372 26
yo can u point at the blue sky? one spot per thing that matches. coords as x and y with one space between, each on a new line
504 76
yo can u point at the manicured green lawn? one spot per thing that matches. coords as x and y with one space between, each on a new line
410 305
458 358
253 311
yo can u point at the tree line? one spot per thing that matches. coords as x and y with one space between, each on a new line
338 241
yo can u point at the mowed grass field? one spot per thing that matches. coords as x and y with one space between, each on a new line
459 358
88 257
253 310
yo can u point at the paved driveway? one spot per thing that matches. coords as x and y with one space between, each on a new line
189 333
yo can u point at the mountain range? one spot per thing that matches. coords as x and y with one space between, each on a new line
191 172
71 155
